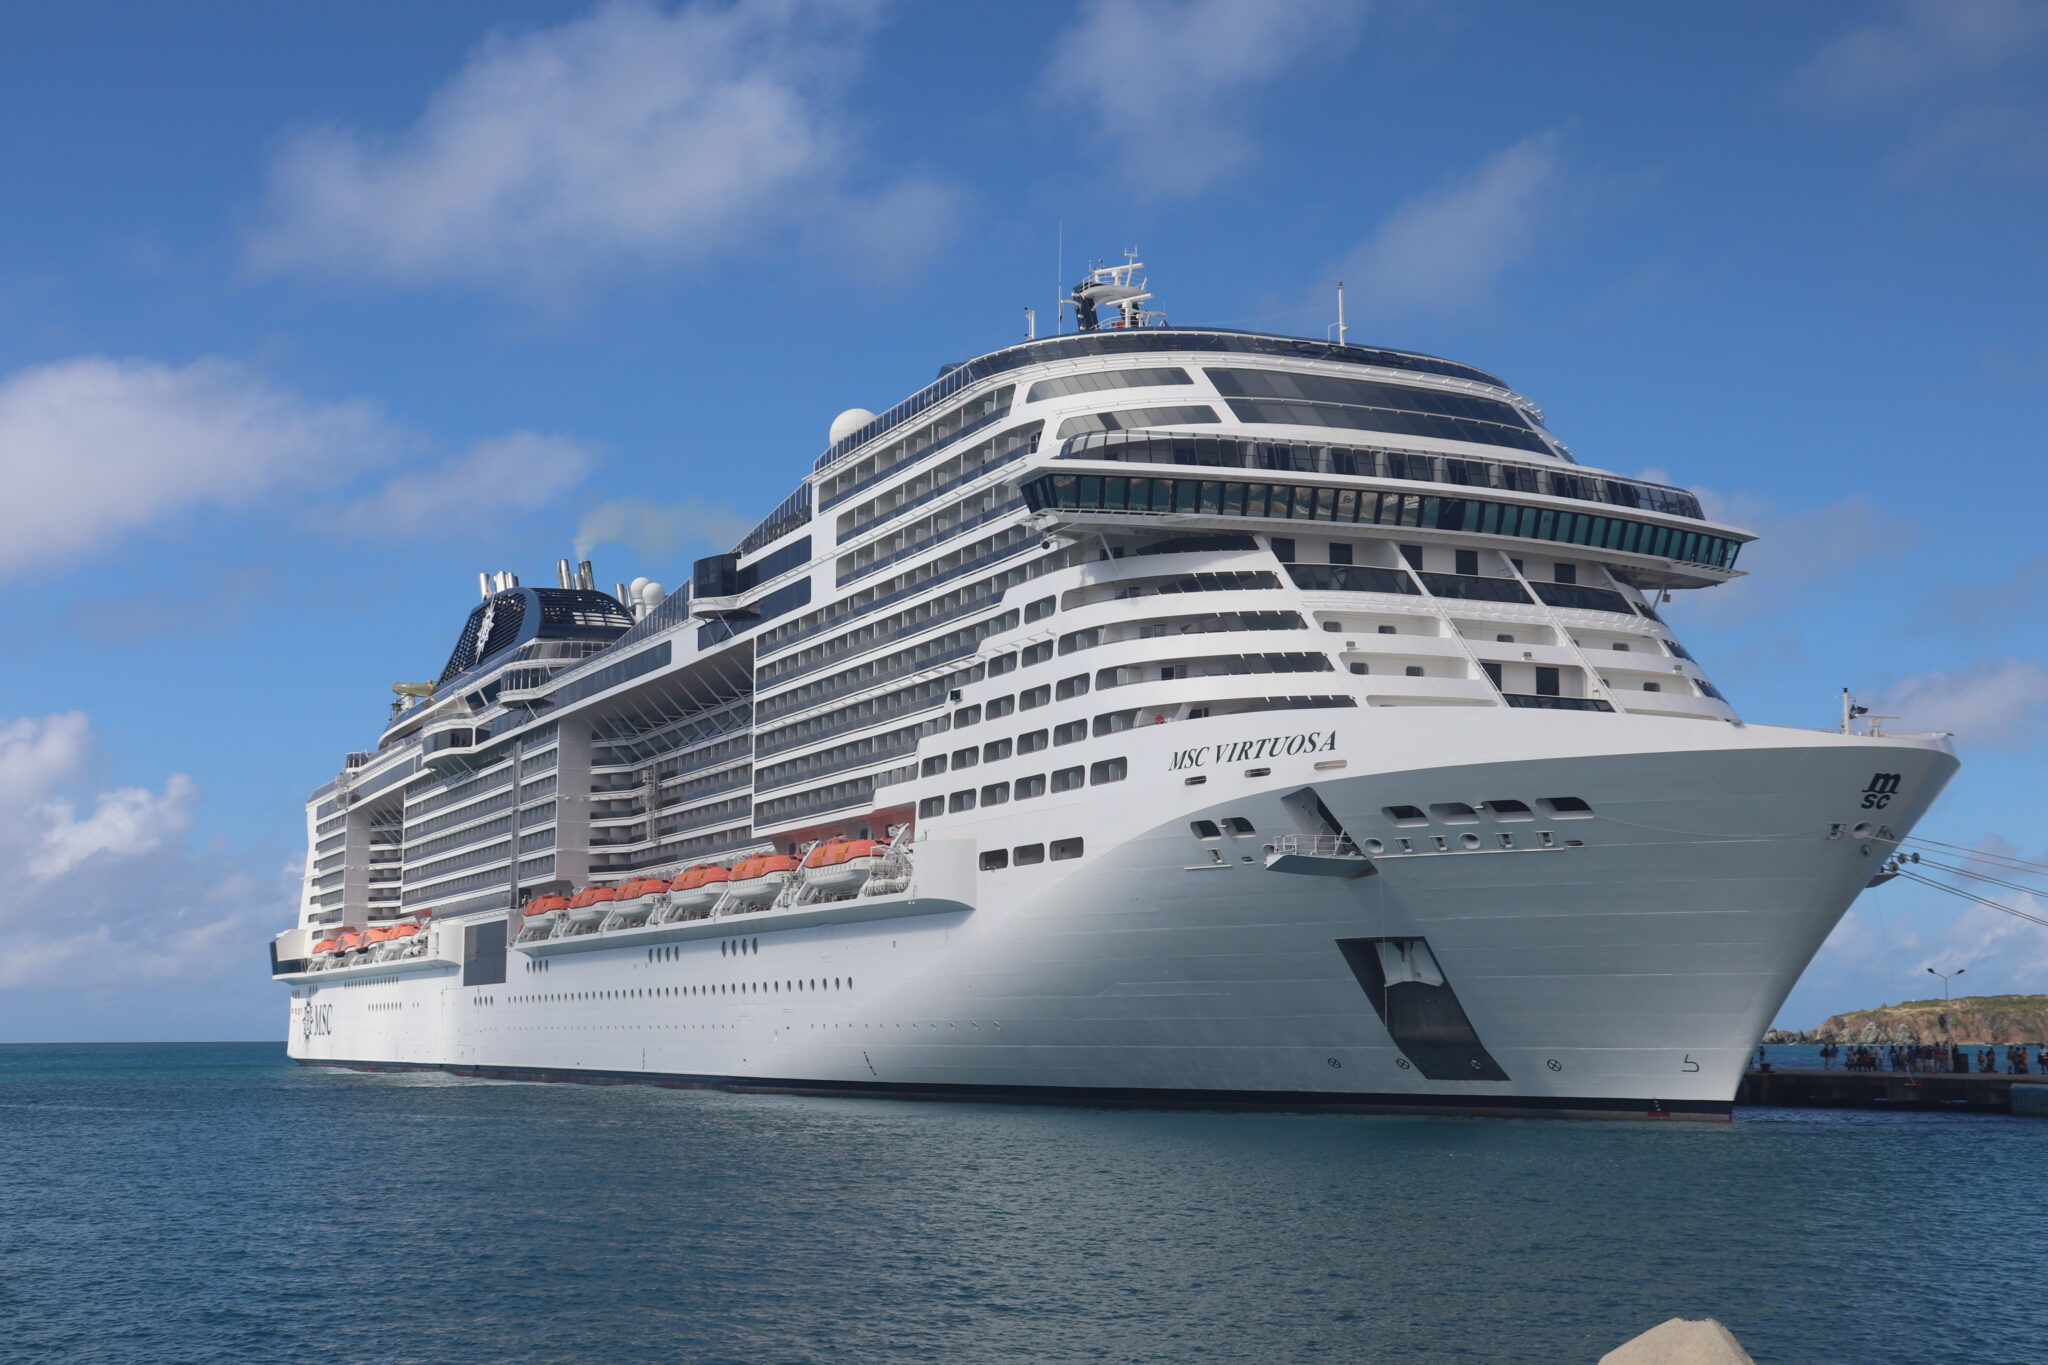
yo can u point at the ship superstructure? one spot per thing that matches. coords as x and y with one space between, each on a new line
1150 714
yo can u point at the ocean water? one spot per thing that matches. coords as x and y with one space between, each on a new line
214 1203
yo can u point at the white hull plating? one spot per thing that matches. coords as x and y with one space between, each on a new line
1619 962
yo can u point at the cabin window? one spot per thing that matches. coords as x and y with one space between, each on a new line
1065 848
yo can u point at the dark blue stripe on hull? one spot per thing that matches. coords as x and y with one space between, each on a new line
1283 1101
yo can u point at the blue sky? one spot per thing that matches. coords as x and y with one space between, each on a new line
307 314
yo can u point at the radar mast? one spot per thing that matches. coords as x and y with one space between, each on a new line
1114 286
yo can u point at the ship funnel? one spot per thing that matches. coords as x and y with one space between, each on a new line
483 585
585 579
562 576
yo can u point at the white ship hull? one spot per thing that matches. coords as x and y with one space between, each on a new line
1621 963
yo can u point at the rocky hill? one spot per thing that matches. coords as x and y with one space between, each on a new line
1980 1019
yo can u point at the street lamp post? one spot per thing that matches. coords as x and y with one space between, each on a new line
1946 1031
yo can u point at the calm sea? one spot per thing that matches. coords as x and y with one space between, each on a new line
213 1203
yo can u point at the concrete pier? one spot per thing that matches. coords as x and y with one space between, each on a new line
1981 1093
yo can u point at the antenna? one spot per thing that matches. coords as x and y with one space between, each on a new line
1059 283
1342 330
1031 324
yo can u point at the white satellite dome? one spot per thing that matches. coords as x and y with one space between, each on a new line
847 423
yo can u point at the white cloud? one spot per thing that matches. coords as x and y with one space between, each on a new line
112 895
629 135
1995 704
1446 251
513 473
123 823
656 533
1960 78
40 828
1166 81
92 449
1920 44
1798 550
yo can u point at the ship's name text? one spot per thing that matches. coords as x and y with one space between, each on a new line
1251 750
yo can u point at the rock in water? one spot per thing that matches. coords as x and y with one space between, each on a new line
1679 1342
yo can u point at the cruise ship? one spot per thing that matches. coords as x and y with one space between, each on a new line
1140 715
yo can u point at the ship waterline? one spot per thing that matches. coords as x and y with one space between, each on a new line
1065 744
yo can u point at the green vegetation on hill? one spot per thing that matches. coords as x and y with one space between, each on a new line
1979 1019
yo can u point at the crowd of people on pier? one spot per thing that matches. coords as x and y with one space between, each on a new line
1955 1060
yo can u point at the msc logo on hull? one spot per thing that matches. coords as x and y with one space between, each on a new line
316 1021
1883 787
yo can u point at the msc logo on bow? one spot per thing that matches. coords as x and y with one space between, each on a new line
1878 795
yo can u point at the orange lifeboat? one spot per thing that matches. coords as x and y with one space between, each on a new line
840 864
348 941
402 930
756 881
325 945
633 901
698 888
591 904
542 911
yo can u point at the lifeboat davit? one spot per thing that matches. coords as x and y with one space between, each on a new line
840 864
755 881
698 888
591 904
